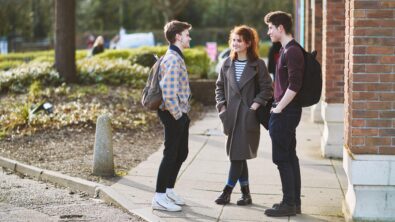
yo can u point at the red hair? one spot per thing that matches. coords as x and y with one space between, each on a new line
248 35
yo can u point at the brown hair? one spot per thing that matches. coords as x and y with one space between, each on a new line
173 28
248 35
278 18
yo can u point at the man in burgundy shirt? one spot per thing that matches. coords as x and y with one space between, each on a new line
286 113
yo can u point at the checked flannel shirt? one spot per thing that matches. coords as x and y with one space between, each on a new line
174 84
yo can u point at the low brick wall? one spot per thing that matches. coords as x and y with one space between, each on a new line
203 90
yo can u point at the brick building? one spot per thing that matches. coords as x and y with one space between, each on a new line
356 44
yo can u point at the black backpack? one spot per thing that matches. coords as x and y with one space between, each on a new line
151 96
310 93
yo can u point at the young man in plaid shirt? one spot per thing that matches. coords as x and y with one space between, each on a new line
173 111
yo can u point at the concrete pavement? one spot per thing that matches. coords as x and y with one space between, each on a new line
204 174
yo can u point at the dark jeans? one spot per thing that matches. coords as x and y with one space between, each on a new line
176 149
238 171
282 128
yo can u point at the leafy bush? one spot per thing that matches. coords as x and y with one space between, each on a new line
115 54
197 63
6 65
114 72
196 59
145 55
26 56
19 78
264 49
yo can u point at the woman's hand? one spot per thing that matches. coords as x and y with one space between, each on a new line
255 106
223 109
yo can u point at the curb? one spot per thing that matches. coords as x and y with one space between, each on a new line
96 190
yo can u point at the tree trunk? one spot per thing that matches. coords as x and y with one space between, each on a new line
65 39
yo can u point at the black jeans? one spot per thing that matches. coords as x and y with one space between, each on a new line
282 129
176 149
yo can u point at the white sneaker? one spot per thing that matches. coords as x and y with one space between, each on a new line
171 194
161 202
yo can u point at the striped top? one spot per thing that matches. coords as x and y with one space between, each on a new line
239 67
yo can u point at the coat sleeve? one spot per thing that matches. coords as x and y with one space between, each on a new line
220 90
265 85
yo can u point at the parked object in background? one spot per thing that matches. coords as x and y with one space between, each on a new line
134 40
3 45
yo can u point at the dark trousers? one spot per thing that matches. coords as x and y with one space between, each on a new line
176 149
282 128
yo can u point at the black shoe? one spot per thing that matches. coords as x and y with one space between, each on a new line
224 198
281 210
298 207
246 196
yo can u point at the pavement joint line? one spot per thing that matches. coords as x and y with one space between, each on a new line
194 157
338 179
220 213
98 190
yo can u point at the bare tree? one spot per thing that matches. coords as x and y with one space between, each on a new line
170 8
65 39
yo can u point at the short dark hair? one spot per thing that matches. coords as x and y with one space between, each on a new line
173 28
278 18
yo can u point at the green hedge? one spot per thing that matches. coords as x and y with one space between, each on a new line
114 72
19 70
6 65
196 59
18 79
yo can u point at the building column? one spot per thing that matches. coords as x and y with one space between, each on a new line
316 44
308 25
332 106
369 148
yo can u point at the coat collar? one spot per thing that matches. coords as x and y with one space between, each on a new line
249 72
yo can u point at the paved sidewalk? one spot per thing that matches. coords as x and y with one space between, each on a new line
205 172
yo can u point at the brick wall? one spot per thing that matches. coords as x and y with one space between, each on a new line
333 50
370 77
316 32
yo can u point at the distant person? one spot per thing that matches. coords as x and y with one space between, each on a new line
98 46
173 113
90 41
274 55
243 85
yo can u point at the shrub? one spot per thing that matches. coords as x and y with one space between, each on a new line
115 54
145 55
6 65
114 72
18 79
26 56
197 63
196 59
264 49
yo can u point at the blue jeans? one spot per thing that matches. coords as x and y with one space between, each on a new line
282 129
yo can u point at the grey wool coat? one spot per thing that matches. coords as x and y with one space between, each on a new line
240 123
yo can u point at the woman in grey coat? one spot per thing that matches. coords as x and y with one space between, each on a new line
243 85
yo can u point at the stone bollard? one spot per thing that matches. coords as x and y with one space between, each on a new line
103 160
